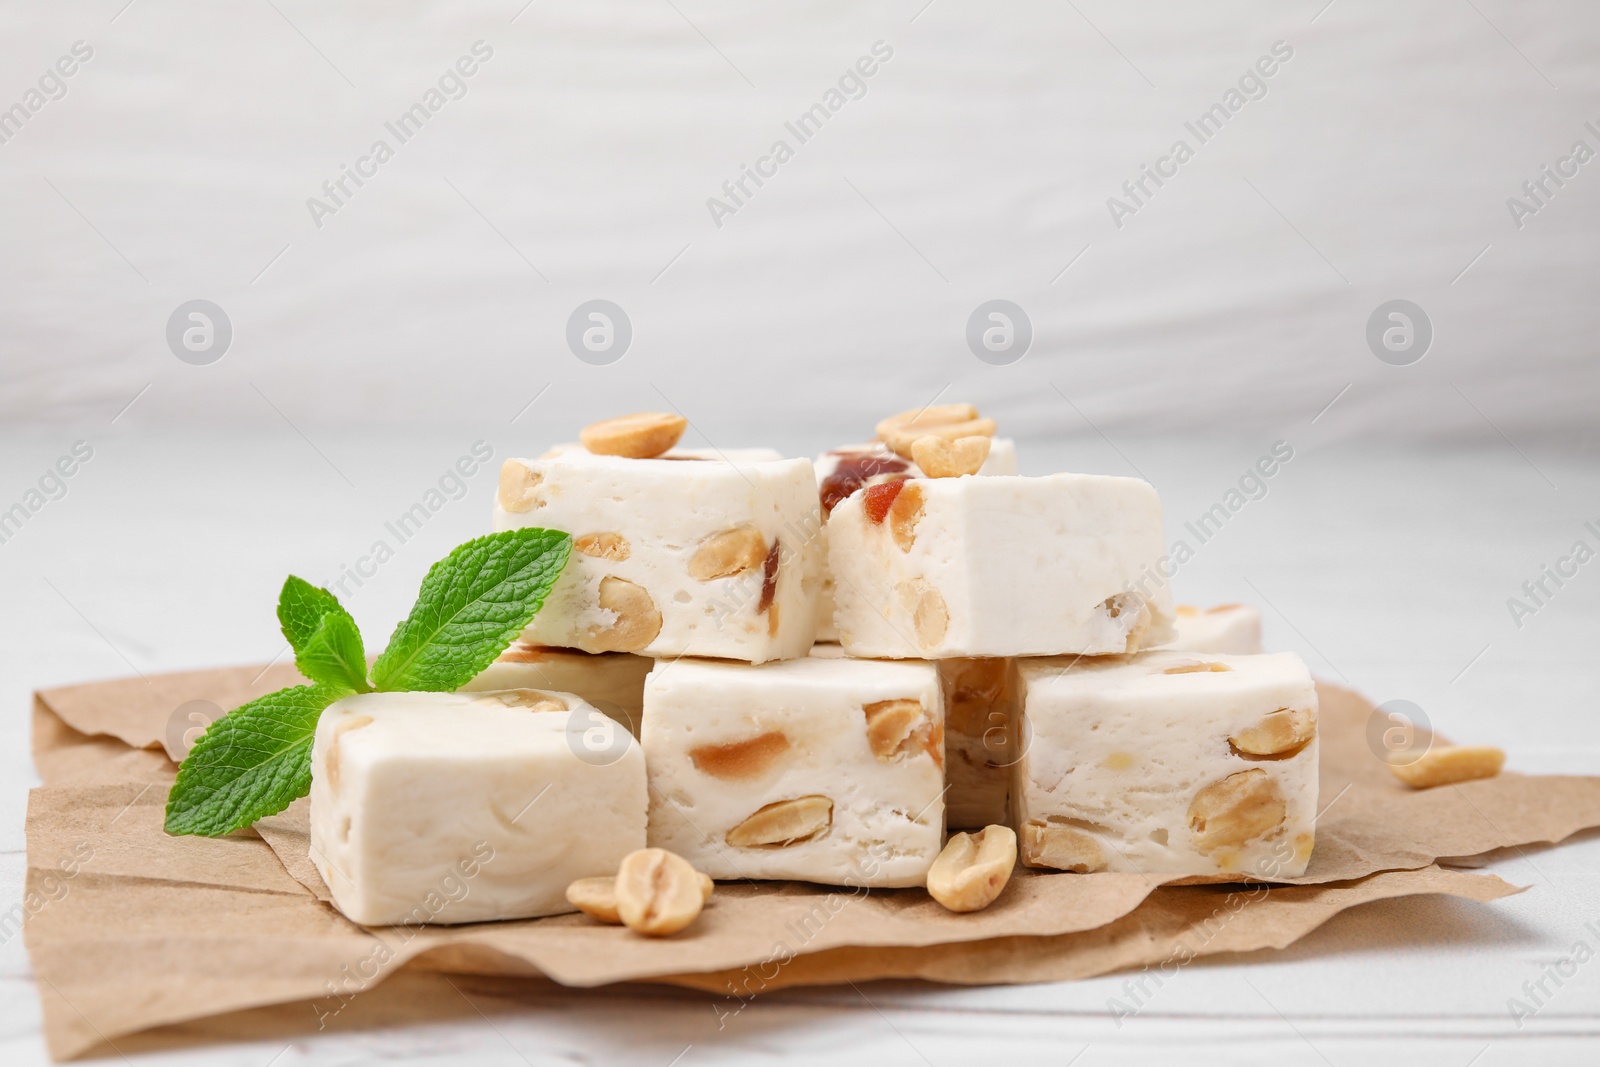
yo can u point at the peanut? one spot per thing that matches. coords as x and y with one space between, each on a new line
890 725
741 760
949 421
940 458
973 869
1449 764
532 699
612 546
1198 668
597 897
933 415
517 485
784 823
1061 847
658 892
1236 809
904 514
902 440
733 551
642 436
1279 734
637 620
929 615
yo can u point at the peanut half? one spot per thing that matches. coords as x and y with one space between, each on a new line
612 546
1198 668
890 725
658 892
784 823
597 897
1061 847
941 458
929 614
1279 735
642 436
1449 764
637 620
741 760
933 415
949 421
517 485
1236 809
733 551
532 699
973 869
904 514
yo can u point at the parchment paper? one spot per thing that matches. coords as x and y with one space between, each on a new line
131 930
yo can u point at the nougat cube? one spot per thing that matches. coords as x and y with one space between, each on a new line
691 553
1167 763
819 769
1225 628
995 566
465 807
843 470
612 682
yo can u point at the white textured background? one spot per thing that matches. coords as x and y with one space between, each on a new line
977 166
1229 313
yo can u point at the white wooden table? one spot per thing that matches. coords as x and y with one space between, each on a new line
1387 568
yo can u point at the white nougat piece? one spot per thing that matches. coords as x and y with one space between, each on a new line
820 769
1169 763
1225 628
999 566
462 807
613 682
843 470
691 553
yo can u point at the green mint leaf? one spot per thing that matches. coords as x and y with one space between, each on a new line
327 645
301 607
473 604
253 762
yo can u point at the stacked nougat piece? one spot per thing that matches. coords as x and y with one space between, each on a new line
984 663
1109 730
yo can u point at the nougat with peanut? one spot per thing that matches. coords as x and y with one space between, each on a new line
1167 763
825 770
685 553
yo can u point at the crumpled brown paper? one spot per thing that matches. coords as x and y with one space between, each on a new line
130 929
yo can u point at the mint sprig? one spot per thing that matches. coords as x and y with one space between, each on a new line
473 603
327 645
256 760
